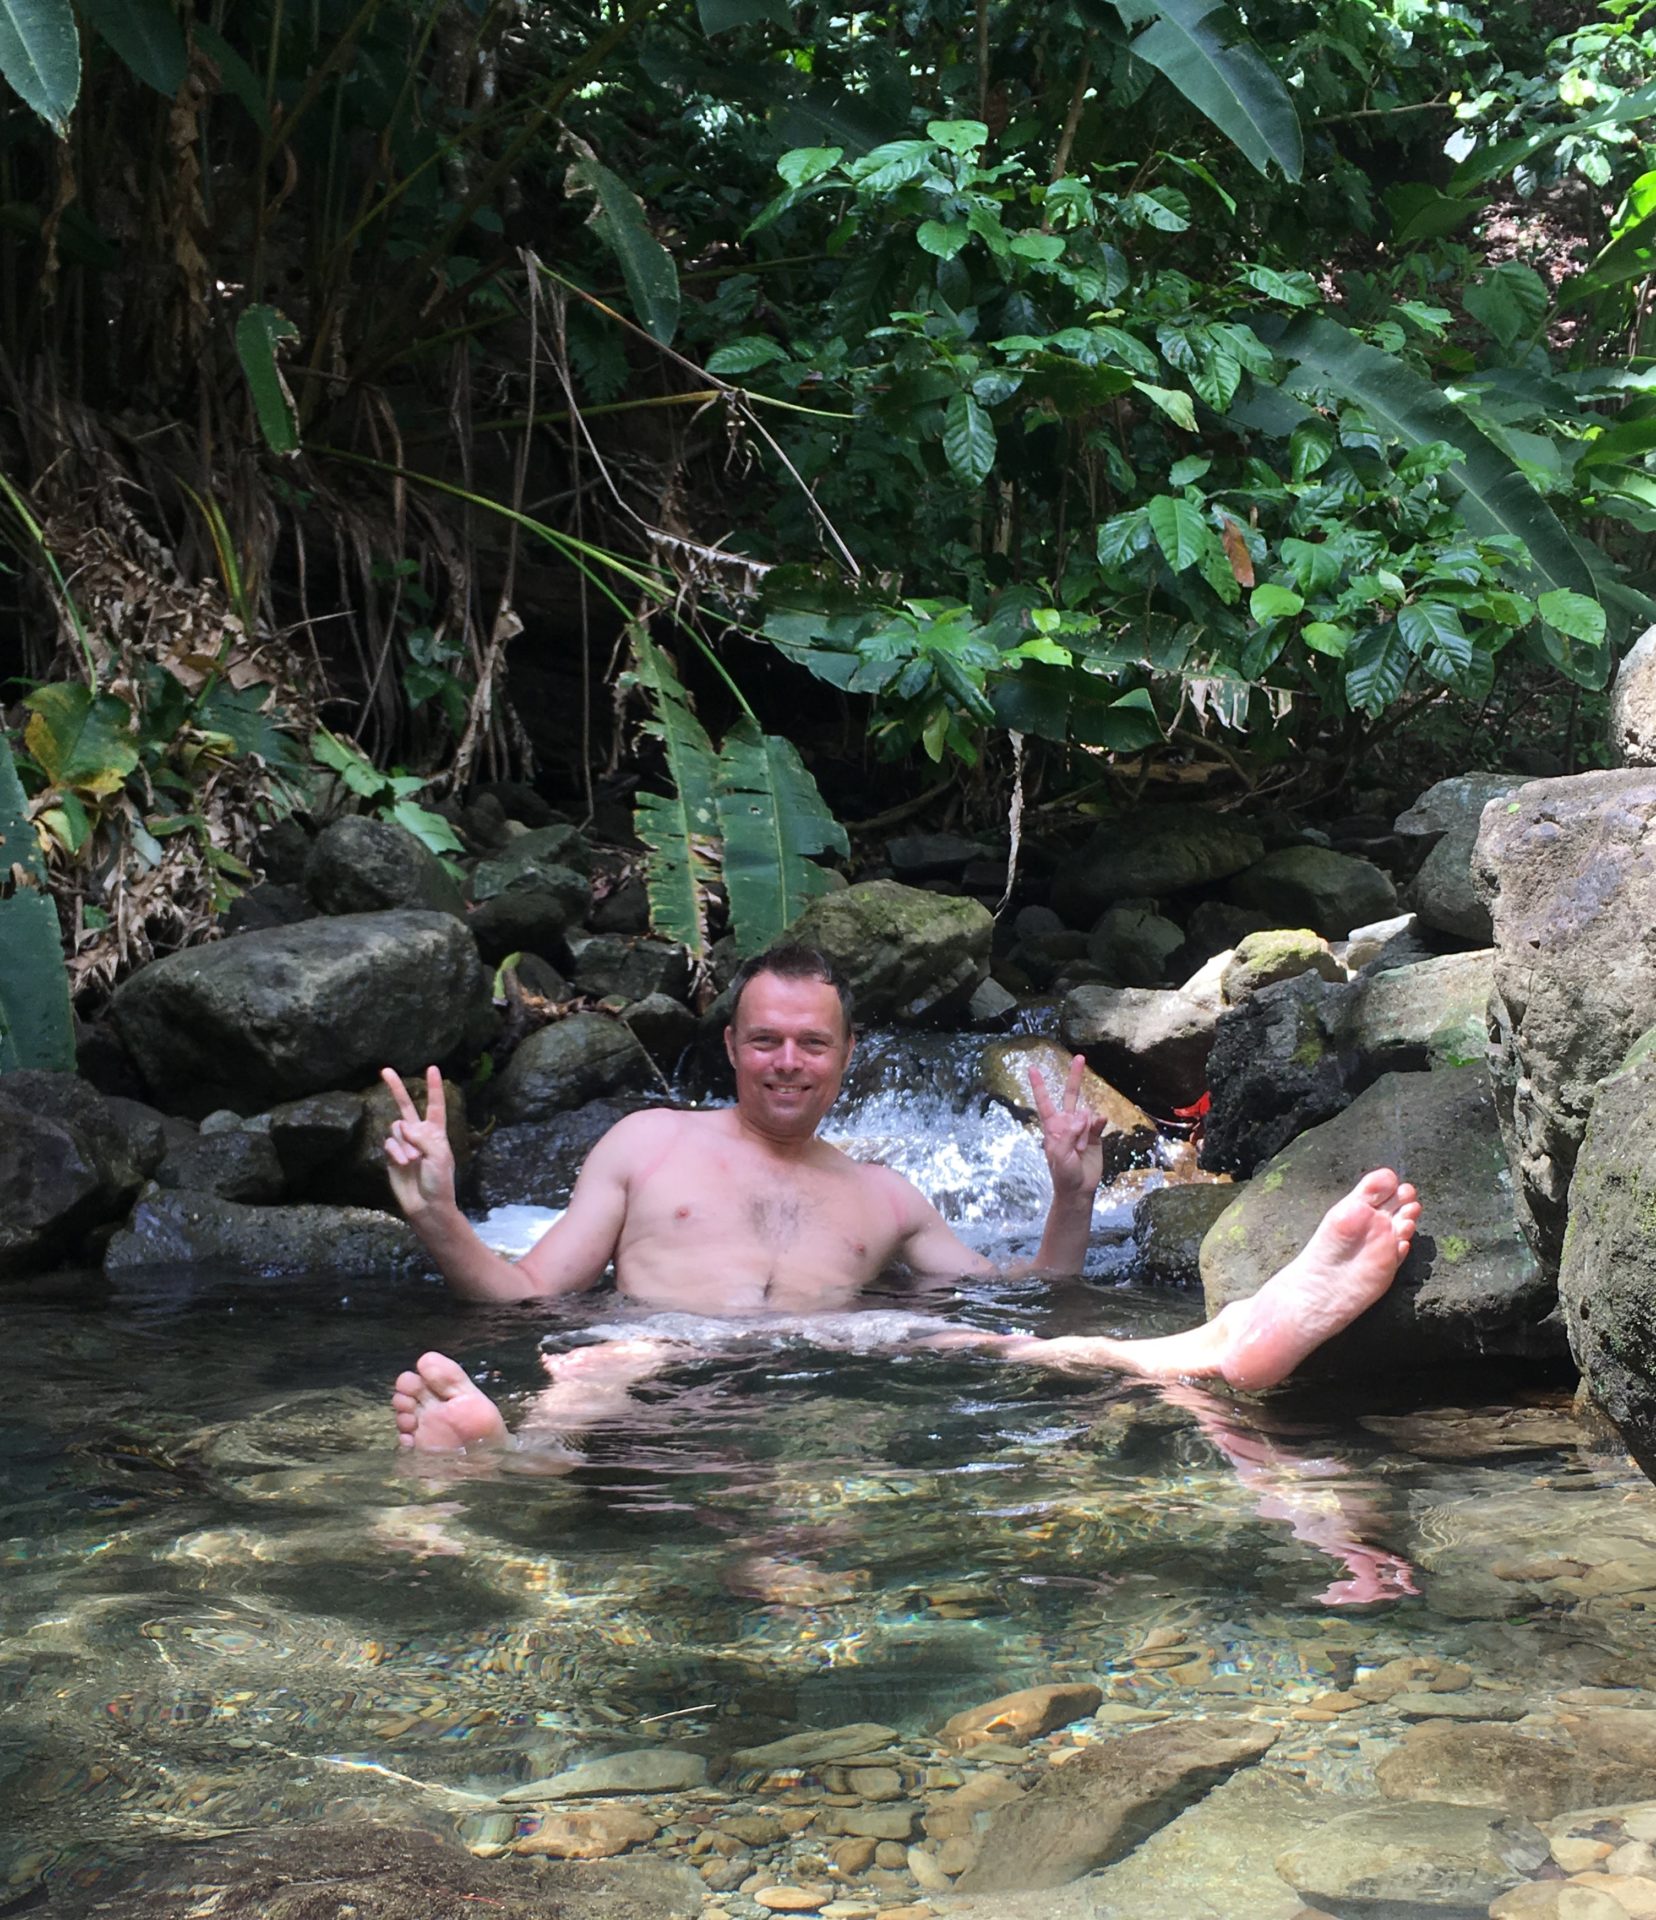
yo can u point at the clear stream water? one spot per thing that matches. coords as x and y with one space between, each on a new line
227 1603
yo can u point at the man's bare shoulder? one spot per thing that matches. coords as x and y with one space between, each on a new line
651 1132
883 1182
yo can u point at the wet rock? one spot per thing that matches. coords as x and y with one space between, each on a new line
813 1748
1149 854
66 1166
1014 1719
543 854
909 954
965 1813
1382 1860
588 1833
1416 1018
610 965
235 1165
535 1165
567 1064
1444 893
1153 1045
1365 946
1633 705
266 1017
1315 887
195 1229
1133 946
1470 1285
1281 1062
931 856
644 1770
1005 1071
358 865
1607 1279
1215 927
1169 1226
664 1028
891 1821
1082 1815
267 905
1572 867
1262 959
531 916
991 1007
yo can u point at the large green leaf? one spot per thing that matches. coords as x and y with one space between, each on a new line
773 818
1203 48
969 439
260 333
35 1026
1488 163
1494 495
146 34
680 828
83 740
646 265
1631 253
40 57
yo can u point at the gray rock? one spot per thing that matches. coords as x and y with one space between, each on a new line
533 915
197 1229
236 1164
623 908
1433 1014
1283 953
664 1028
1005 1070
1444 894
643 1770
536 1165
1169 1226
1591 1757
1151 853
1571 864
1215 926
567 1064
909 954
1281 1061
1633 705
358 865
1470 1286
1317 888
931 856
813 1748
540 854
1031 920
1133 946
266 1017
359 1175
1607 1279
1042 957
991 1007
65 1168
1153 1045
1094 1808
1363 946
610 965
314 1133
1390 1862
268 905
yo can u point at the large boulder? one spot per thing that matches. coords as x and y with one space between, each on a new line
1607 1279
909 954
567 1064
1282 953
1571 868
171 1229
265 1017
532 915
1432 1014
1446 816
358 865
1470 1286
1154 1045
1633 705
543 854
1134 946
1149 854
67 1165
612 965
1315 887
1384 1857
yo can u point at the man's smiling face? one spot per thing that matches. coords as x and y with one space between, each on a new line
789 1045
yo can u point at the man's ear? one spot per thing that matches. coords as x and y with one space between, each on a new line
730 1045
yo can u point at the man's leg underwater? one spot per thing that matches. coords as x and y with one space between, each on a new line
1346 1265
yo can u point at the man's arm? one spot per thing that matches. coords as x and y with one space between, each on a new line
1072 1140
570 1256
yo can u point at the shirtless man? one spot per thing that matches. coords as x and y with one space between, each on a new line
739 1211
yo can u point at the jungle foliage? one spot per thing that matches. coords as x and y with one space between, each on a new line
1103 374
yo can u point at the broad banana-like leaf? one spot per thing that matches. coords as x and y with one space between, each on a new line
618 220
146 34
40 57
1203 48
680 829
1495 497
35 1027
773 817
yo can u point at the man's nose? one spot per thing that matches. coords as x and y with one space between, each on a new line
788 1055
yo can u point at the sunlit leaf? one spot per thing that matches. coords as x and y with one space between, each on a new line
681 827
772 818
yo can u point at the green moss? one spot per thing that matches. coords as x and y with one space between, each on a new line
1308 1052
1454 1248
1269 1182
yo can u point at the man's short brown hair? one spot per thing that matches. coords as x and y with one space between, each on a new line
792 960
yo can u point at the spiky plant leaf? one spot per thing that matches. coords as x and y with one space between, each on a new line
773 818
680 828
35 1027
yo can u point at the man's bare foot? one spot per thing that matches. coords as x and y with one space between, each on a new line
439 1410
1346 1266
